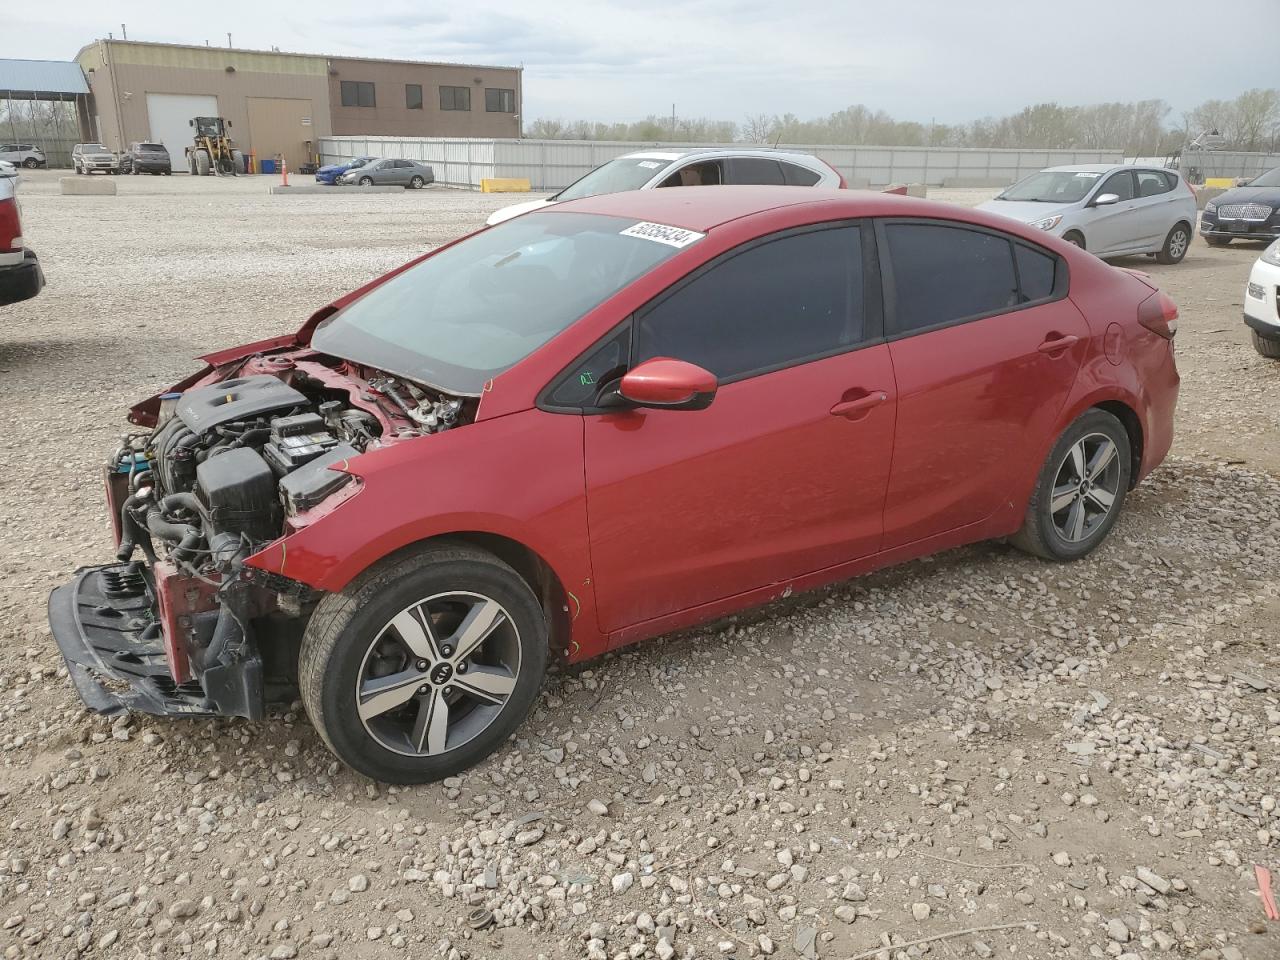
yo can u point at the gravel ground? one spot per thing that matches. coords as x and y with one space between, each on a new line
1087 755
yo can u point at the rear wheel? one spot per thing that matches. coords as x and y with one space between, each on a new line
1175 244
1075 237
1079 491
425 664
204 165
1217 241
237 162
1265 346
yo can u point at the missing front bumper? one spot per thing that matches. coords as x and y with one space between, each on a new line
108 631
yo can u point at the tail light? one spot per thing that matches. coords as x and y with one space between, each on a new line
843 185
1159 314
10 228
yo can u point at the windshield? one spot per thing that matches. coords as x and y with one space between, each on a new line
1269 179
359 162
1053 186
461 317
93 146
625 173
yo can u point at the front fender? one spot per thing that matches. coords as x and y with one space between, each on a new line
519 477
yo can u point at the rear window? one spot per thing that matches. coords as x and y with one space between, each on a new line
151 147
797 176
942 274
1037 273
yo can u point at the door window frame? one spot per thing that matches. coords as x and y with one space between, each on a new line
873 314
1100 190
894 331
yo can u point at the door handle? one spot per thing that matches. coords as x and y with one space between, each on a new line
852 408
1054 344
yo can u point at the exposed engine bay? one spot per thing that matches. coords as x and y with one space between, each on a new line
232 464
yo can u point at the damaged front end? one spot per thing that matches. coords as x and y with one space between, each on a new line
248 452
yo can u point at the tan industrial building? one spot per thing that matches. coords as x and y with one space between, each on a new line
281 104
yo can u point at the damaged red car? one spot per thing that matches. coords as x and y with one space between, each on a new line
593 424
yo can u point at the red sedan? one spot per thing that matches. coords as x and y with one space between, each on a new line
594 424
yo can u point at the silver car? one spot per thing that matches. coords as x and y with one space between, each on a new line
88 157
1111 210
650 169
409 174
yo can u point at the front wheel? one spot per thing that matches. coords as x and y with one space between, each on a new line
416 183
31 163
1175 244
1266 346
425 664
1079 491
366 181
1074 237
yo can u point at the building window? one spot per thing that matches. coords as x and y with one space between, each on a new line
500 101
455 98
413 96
357 93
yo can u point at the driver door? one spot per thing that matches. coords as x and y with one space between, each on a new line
1111 229
785 472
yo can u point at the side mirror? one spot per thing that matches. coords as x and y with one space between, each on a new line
1244 181
666 384
1106 199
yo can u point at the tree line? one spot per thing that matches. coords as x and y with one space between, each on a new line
1142 128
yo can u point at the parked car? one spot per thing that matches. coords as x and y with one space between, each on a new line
1251 212
386 172
23 155
592 424
20 275
88 157
1262 302
7 169
650 169
143 157
331 173
1110 210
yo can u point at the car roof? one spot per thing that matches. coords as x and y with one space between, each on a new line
1101 167
709 152
705 208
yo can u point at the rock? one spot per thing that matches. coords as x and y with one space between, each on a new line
358 884
1153 880
1117 931
598 807
183 908
846 913
853 893
621 882
920 911
1062 858
527 838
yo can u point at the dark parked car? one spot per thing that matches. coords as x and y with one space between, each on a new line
20 275
1251 212
597 423
142 157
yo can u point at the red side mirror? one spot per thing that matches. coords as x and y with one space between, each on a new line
666 384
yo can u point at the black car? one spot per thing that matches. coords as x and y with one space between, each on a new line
146 158
1251 212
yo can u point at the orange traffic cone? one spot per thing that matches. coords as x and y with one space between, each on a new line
284 172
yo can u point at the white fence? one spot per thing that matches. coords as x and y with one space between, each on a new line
1227 163
552 164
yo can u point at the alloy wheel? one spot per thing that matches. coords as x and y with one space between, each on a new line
438 674
1085 487
1178 244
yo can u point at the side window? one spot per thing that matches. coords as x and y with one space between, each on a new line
1121 184
1152 182
705 174
775 304
1037 273
755 170
796 176
581 384
943 273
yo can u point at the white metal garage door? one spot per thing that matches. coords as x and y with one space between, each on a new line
170 116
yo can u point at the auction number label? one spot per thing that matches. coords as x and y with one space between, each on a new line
661 233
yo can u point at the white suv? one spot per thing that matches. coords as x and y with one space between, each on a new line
1262 302
23 155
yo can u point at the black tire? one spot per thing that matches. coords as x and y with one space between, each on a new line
344 630
1074 236
1217 241
1176 244
1266 347
366 181
417 183
1040 534
31 163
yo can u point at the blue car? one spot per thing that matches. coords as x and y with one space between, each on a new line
331 173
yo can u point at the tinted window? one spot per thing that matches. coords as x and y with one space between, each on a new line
1121 184
1036 273
798 176
755 170
500 101
413 96
357 93
580 386
777 303
1152 182
705 174
455 98
943 273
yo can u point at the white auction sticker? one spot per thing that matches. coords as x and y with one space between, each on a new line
660 233
649 164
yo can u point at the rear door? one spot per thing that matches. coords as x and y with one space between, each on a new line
985 348
785 472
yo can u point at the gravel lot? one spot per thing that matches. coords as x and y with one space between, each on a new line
1087 755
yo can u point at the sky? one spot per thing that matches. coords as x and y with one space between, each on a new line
943 60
